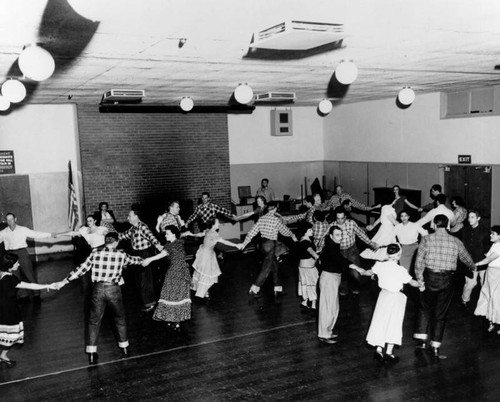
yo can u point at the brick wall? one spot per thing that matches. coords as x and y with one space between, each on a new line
152 158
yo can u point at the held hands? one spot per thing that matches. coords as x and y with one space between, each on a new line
53 235
58 285
240 246
369 228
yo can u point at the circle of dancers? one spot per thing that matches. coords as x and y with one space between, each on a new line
330 265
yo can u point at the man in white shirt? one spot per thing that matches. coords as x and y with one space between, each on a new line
14 238
441 209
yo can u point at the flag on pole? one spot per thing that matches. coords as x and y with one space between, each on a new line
73 219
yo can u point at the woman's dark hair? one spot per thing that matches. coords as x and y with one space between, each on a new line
459 201
173 229
393 248
309 199
210 223
8 261
262 198
319 216
396 185
103 203
304 227
496 229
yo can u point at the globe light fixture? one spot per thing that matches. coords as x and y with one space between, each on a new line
4 103
186 104
243 94
346 72
406 96
325 106
36 63
14 91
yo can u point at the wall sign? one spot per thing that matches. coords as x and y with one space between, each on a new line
7 162
464 159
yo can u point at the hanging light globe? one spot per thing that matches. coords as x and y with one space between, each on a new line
325 106
243 94
4 103
406 96
346 72
14 91
186 104
36 63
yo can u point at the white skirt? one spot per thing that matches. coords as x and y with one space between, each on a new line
488 304
387 320
308 280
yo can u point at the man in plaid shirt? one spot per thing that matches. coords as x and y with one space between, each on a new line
207 211
268 226
106 265
340 196
435 266
348 248
141 239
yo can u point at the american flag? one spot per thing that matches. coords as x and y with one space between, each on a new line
73 218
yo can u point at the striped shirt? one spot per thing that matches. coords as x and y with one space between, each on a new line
268 226
106 264
140 236
440 251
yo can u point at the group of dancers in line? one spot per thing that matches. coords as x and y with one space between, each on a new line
325 242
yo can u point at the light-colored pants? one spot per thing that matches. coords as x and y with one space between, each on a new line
470 284
328 303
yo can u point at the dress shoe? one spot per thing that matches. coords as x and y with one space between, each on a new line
93 358
148 309
330 341
125 353
9 363
436 354
304 309
391 358
378 356
255 295
333 336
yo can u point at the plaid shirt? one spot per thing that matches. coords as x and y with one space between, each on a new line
170 220
350 230
268 226
140 236
439 252
206 212
106 264
337 200
320 230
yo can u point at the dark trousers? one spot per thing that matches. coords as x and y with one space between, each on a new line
25 272
270 263
353 277
106 295
434 304
143 278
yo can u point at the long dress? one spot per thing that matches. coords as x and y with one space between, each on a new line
11 324
384 236
308 275
206 267
174 304
488 304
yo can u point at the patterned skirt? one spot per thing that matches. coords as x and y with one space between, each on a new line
11 335
175 302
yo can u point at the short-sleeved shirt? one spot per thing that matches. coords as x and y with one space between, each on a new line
391 275
304 245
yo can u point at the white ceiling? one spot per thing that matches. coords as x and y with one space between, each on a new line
430 45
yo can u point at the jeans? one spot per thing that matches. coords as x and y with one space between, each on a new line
106 295
270 264
434 304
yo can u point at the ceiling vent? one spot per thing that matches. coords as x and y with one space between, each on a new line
276 97
298 35
123 96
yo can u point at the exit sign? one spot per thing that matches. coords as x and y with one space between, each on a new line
464 159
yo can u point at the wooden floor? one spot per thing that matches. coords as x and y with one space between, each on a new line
237 348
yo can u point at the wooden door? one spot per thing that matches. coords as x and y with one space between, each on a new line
473 184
